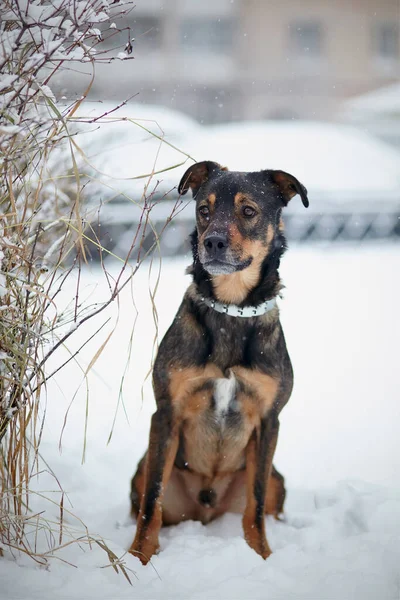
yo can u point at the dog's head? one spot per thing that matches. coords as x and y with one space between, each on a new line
238 214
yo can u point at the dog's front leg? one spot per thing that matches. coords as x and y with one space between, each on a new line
259 454
163 446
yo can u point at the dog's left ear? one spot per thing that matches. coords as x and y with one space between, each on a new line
197 174
289 186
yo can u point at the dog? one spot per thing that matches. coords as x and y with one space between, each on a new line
222 373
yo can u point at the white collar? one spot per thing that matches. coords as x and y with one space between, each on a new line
233 310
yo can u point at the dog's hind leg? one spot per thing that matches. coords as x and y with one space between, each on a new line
234 500
163 445
276 494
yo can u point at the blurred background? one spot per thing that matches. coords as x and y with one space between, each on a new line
308 86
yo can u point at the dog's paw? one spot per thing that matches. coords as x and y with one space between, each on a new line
260 546
144 551
255 537
265 552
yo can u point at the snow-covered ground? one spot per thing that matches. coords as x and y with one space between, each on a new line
339 449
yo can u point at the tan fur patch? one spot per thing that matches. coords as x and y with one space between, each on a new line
235 237
184 381
234 499
211 200
234 288
254 537
240 198
264 386
180 499
181 496
270 234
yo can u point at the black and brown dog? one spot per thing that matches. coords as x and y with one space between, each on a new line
222 374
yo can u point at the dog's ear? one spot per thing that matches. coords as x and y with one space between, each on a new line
197 174
289 186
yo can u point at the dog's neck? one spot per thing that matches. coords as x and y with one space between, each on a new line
249 287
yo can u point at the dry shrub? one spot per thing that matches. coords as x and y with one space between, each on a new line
43 239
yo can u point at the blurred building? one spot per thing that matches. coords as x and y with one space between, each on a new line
219 60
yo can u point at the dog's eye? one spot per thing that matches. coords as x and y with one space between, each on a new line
204 211
248 211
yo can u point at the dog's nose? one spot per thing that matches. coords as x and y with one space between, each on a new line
215 244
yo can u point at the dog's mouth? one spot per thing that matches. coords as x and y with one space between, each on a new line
221 267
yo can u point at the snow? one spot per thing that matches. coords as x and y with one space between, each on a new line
9 129
338 447
7 81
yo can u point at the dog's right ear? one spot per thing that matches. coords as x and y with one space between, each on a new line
197 174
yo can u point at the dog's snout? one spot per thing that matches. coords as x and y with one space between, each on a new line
215 244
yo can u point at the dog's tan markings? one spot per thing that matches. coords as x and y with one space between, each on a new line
256 249
196 403
201 442
201 239
211 201
179 501
270 234
254 536
234 288
241 198
235 237
281 225
183 382
234 499
262 385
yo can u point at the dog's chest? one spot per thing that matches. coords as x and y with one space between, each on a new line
230 344
225 410
216 435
